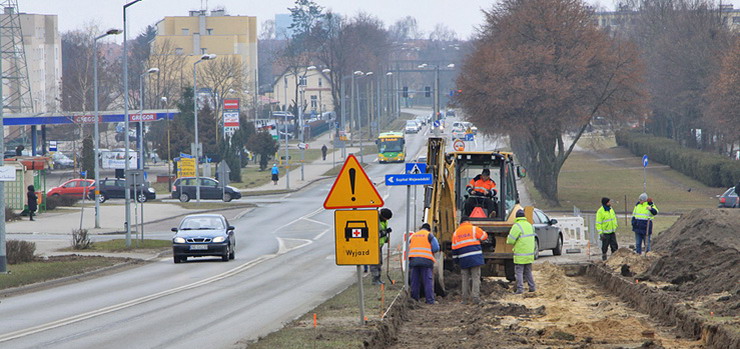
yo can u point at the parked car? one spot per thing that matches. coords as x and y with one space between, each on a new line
450 112
115 188
549 236
62 161
728 199
76 188
412 127
184 189
203 235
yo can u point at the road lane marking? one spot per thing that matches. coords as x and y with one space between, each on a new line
315 212
317 222
282 249
116 307
321 234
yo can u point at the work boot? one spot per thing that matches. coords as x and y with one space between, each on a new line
519 292
377 281
603 257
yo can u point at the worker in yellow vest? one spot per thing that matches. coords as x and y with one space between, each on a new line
642 222
606 226
522 236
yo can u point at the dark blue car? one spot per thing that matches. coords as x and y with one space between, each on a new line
203 235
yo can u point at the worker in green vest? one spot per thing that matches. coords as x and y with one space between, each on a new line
522 236
606 226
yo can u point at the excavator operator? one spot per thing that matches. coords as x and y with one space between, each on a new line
482 190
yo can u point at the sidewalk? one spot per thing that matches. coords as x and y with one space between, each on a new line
312 171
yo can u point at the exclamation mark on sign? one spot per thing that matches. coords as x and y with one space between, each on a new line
352 182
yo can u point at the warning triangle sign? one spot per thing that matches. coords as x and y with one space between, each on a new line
352 188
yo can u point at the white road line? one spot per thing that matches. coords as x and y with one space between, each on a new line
317 222
321 234
317 211
282 249
102 311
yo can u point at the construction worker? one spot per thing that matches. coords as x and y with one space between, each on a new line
642 222
422 246
521 235
606 226
385 230
482 190
467 252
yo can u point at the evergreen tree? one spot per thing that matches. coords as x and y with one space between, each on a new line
88 157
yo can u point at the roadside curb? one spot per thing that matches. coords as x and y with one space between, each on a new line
285 191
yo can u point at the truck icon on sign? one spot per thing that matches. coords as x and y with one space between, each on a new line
356 230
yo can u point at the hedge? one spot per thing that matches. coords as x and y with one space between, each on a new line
711 169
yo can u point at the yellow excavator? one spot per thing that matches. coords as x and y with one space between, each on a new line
447 200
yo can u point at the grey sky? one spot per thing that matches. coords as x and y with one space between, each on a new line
459 15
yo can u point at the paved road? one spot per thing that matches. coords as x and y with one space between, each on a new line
284 267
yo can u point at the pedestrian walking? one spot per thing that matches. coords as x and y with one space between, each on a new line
642 222
466 250
32 201
275 173
324 149
385 230
521 235
422 246
606 226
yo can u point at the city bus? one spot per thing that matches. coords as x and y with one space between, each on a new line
391 147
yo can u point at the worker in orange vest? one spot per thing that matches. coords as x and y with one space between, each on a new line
466 250
422 246
482 190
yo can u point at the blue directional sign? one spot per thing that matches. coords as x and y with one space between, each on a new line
416 167
469 137
408 179
437 123
644 161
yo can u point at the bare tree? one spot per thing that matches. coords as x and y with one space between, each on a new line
405 29
267 30
170 81
540 71
222 76
442 32
723 107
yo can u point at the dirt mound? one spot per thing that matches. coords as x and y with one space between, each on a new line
635 263
699 256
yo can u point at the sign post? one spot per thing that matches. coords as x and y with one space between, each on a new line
644 173
408 180
356 232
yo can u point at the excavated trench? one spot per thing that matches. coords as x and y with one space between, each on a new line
501 322
684 294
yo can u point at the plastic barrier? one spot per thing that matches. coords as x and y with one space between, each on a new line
574 233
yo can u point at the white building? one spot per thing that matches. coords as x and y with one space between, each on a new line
43 47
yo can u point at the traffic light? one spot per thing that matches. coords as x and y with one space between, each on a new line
405 92
427 91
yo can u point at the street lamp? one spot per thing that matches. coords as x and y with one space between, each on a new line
300 115
355 108
97 122
204 57
141 114
127 124
321 109
388 99
436 86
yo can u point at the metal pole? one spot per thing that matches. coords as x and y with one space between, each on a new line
287 157
127 124
359 120
300 124
197 145
140 136
342 102
352 109
436 92
397 91
3 255
406 239
362 296
97 131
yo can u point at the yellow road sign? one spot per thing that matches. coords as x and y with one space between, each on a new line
356 237
352 188
186 167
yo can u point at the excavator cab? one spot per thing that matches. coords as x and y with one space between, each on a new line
498 204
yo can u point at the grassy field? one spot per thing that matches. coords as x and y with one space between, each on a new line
613 172
337 319
119 245
55 268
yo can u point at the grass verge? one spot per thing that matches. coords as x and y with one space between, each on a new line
53 268
337 319
119 245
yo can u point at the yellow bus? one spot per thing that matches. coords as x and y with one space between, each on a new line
391 147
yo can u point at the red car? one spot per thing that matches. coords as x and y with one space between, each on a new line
73 188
